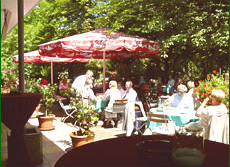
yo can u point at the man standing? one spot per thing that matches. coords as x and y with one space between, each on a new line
129 117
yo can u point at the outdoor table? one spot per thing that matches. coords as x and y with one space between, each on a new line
123 152
16 111
100 104
173 114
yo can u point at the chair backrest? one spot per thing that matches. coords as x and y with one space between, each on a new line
166 127
119 106
218 129
160 118
61 103
139 106
121 101
60 99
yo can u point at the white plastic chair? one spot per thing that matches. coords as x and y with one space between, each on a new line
142 120
67 109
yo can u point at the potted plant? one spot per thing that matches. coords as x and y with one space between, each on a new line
86 118
47 101
33 85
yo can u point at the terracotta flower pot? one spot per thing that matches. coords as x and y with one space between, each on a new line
46 122
81 140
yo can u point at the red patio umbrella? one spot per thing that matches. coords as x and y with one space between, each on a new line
35 57
99 45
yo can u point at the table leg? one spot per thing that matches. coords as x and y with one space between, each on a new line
17 154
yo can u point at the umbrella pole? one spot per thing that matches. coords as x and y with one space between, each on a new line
52 73
104 71
21 45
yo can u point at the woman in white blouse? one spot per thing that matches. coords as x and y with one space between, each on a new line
219 110
111 95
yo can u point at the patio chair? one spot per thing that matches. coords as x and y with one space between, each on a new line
141 119
67 109
119 106
163 124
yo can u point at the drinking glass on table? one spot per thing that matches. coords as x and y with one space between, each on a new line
189 150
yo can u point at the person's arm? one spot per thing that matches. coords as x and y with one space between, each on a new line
202 106
106 95
168 102
189 105
92 95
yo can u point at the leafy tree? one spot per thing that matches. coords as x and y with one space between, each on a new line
193 34
50 20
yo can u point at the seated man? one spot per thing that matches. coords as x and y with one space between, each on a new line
181 100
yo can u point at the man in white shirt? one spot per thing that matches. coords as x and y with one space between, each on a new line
129 117
181 100
80 81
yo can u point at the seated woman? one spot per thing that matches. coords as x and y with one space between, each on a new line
217 109
111 95
63 85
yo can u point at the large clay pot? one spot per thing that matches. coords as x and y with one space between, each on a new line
81 140
35 113
46 122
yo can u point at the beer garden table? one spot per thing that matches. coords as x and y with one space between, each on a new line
122 152
16 109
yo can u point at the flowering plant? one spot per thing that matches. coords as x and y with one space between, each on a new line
213 81
48 92
33 85
86 116
10 80
63 75
48 97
